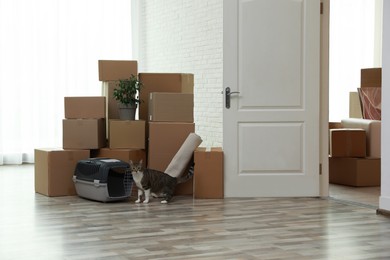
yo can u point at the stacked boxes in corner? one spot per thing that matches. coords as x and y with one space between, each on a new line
168 109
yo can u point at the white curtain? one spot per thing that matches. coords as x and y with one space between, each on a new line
355 43
50 49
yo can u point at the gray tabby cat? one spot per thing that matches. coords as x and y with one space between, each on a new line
151 181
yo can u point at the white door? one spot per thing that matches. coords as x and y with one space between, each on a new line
271 130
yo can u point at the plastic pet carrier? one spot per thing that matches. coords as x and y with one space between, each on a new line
103 179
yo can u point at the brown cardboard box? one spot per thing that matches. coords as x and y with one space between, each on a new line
208 175
112 111
165 139
171 107
162 82
347 142
85 107
84 133
371 77
54 169
111 70
121 154
358 172
127 134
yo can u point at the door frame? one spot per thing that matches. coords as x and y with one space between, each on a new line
324 99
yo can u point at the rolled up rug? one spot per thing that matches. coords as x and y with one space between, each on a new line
183 156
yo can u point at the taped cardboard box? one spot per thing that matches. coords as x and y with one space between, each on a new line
162 82
85 107
357 172
371 77
54 169
347 142
112 70
121 154
84 133
208 175
355 108
127 134
171 107
165 139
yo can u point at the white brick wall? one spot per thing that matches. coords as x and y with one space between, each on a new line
186 36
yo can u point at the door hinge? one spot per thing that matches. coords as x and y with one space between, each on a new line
321 8
320 168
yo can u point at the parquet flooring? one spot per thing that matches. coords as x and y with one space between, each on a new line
33 226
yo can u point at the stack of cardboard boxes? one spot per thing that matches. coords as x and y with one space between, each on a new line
92 128
353 143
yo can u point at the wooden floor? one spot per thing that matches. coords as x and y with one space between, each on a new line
33 226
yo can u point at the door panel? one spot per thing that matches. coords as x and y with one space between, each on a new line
271 130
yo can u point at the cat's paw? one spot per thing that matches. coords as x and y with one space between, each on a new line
164 201
138 201
146 201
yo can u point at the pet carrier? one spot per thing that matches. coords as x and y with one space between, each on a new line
103 179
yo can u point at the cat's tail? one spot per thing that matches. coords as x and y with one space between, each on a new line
188 175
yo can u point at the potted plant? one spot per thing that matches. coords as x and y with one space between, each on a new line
127 95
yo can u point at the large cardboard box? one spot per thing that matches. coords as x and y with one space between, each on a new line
347 142
84 133
54 169
358 172
162 82
127 134
208 174
111 70
171 107
121 154
85 107
371 77
165 139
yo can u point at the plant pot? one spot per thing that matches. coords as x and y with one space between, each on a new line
127 112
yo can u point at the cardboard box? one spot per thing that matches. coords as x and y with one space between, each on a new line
165 139
85 107
84 133
54 169
371 77
111 70
162 82
171 107
127 134
355 108
121 154
112 111
208 175
347 142
358 172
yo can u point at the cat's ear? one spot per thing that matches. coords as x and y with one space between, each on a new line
131 162
140 162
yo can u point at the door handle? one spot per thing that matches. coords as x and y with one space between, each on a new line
228 92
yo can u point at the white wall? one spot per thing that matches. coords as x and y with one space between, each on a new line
384 202
186 36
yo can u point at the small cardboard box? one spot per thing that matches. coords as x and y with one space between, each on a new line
347 142
54 169
162 82
358 172
85 107
171 107
121 154
371 77
127 134
208 174
84 133
112 70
